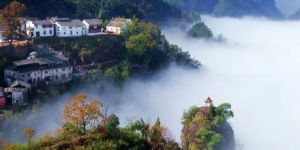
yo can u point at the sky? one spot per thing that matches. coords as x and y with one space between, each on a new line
288 6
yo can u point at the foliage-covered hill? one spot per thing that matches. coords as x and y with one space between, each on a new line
86 125
157 10
142 49
235 8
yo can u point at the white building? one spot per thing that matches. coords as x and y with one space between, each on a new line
1 32
92 26
43 66
69 28
18 91
117 25
39 28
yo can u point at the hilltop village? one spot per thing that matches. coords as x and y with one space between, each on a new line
44 65
40 54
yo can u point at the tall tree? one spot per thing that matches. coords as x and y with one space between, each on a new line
80 113
28 133
10 19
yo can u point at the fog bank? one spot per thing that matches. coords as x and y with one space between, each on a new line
256 70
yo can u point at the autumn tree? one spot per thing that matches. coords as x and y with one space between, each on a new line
10 19
207 128
28 133
82 112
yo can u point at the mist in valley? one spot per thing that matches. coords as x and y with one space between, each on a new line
256 70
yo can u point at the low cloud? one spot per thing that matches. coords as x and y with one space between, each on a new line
256 70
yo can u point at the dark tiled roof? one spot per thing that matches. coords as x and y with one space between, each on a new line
71 23
41 22
45 58
92 21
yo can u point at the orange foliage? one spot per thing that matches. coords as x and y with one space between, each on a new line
28 133
82 112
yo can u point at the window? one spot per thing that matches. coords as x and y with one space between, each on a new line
64 32
28 75
50 26
71 32
45 71
50 32
77 32
44 26
45 32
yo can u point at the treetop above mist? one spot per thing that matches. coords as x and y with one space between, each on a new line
200 30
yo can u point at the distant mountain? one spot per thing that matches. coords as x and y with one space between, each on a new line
295 16
234 8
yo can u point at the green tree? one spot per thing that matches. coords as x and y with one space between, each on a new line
200 30
85 53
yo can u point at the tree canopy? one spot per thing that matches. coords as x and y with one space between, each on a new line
207 128
10 20
200 30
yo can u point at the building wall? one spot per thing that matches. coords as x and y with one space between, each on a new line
18 97
53 75
43 31
87 27
1 38
66 31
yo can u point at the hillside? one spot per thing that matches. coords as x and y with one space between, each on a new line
155 10
234 8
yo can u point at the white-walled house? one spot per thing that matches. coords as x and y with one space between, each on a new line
43 66
117 25
69 28
18 91
39 28
92 26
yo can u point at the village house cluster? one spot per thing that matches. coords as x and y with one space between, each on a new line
43 66
66 27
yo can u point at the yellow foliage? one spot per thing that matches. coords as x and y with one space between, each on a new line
28 133
80 112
